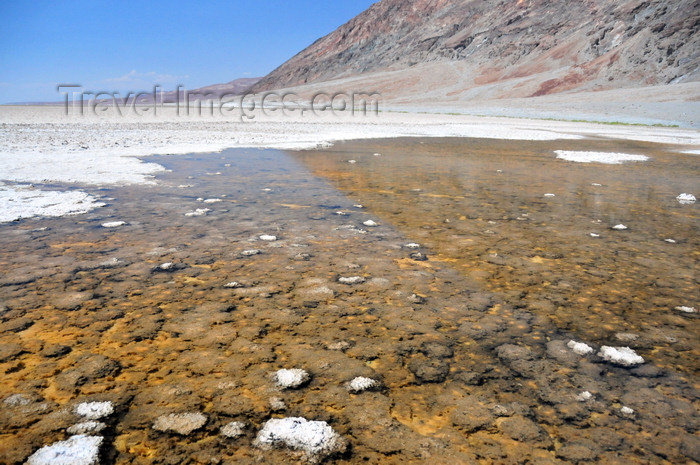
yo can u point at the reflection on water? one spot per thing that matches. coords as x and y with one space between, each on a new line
469 345
537 230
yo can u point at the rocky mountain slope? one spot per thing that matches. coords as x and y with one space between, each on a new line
524 48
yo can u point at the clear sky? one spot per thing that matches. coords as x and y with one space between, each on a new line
131 45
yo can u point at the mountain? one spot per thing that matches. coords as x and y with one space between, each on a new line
215 91
505 49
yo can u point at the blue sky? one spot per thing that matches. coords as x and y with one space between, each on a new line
129 45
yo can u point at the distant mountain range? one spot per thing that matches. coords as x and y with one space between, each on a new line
515 48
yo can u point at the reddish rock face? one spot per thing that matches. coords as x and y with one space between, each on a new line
574 45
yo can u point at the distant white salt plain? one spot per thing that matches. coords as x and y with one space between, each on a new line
608 158
42 145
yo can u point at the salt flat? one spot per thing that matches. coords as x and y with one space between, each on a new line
47 144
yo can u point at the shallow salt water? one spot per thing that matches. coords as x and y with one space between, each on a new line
471 285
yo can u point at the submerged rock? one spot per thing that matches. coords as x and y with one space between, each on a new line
78 450
316 439
180 423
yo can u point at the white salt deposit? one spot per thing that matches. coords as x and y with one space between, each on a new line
683 308
16 399
167 266
250 252
198 212
627 411
686 199
233 430
351 280
598 157
86 427
180 423
113 224
584 396
77 450
594 235
212 200
352 161
234 285
362 383
619 227
579 348
94 410
291 379
370 223
24 201
550 195
412 245
623 356
267 237
312 437
670 241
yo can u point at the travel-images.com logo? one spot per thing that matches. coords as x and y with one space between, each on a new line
245 107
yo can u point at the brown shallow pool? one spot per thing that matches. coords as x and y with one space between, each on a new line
467 333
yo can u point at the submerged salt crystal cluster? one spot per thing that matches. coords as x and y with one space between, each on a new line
113 224
291 378
198 212
77 450
623 356
314 438
233 430
180 423
351 280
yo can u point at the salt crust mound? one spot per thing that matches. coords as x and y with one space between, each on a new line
94 410
579 348
315 438
623 356
362 383
77 450
291 379
598 157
